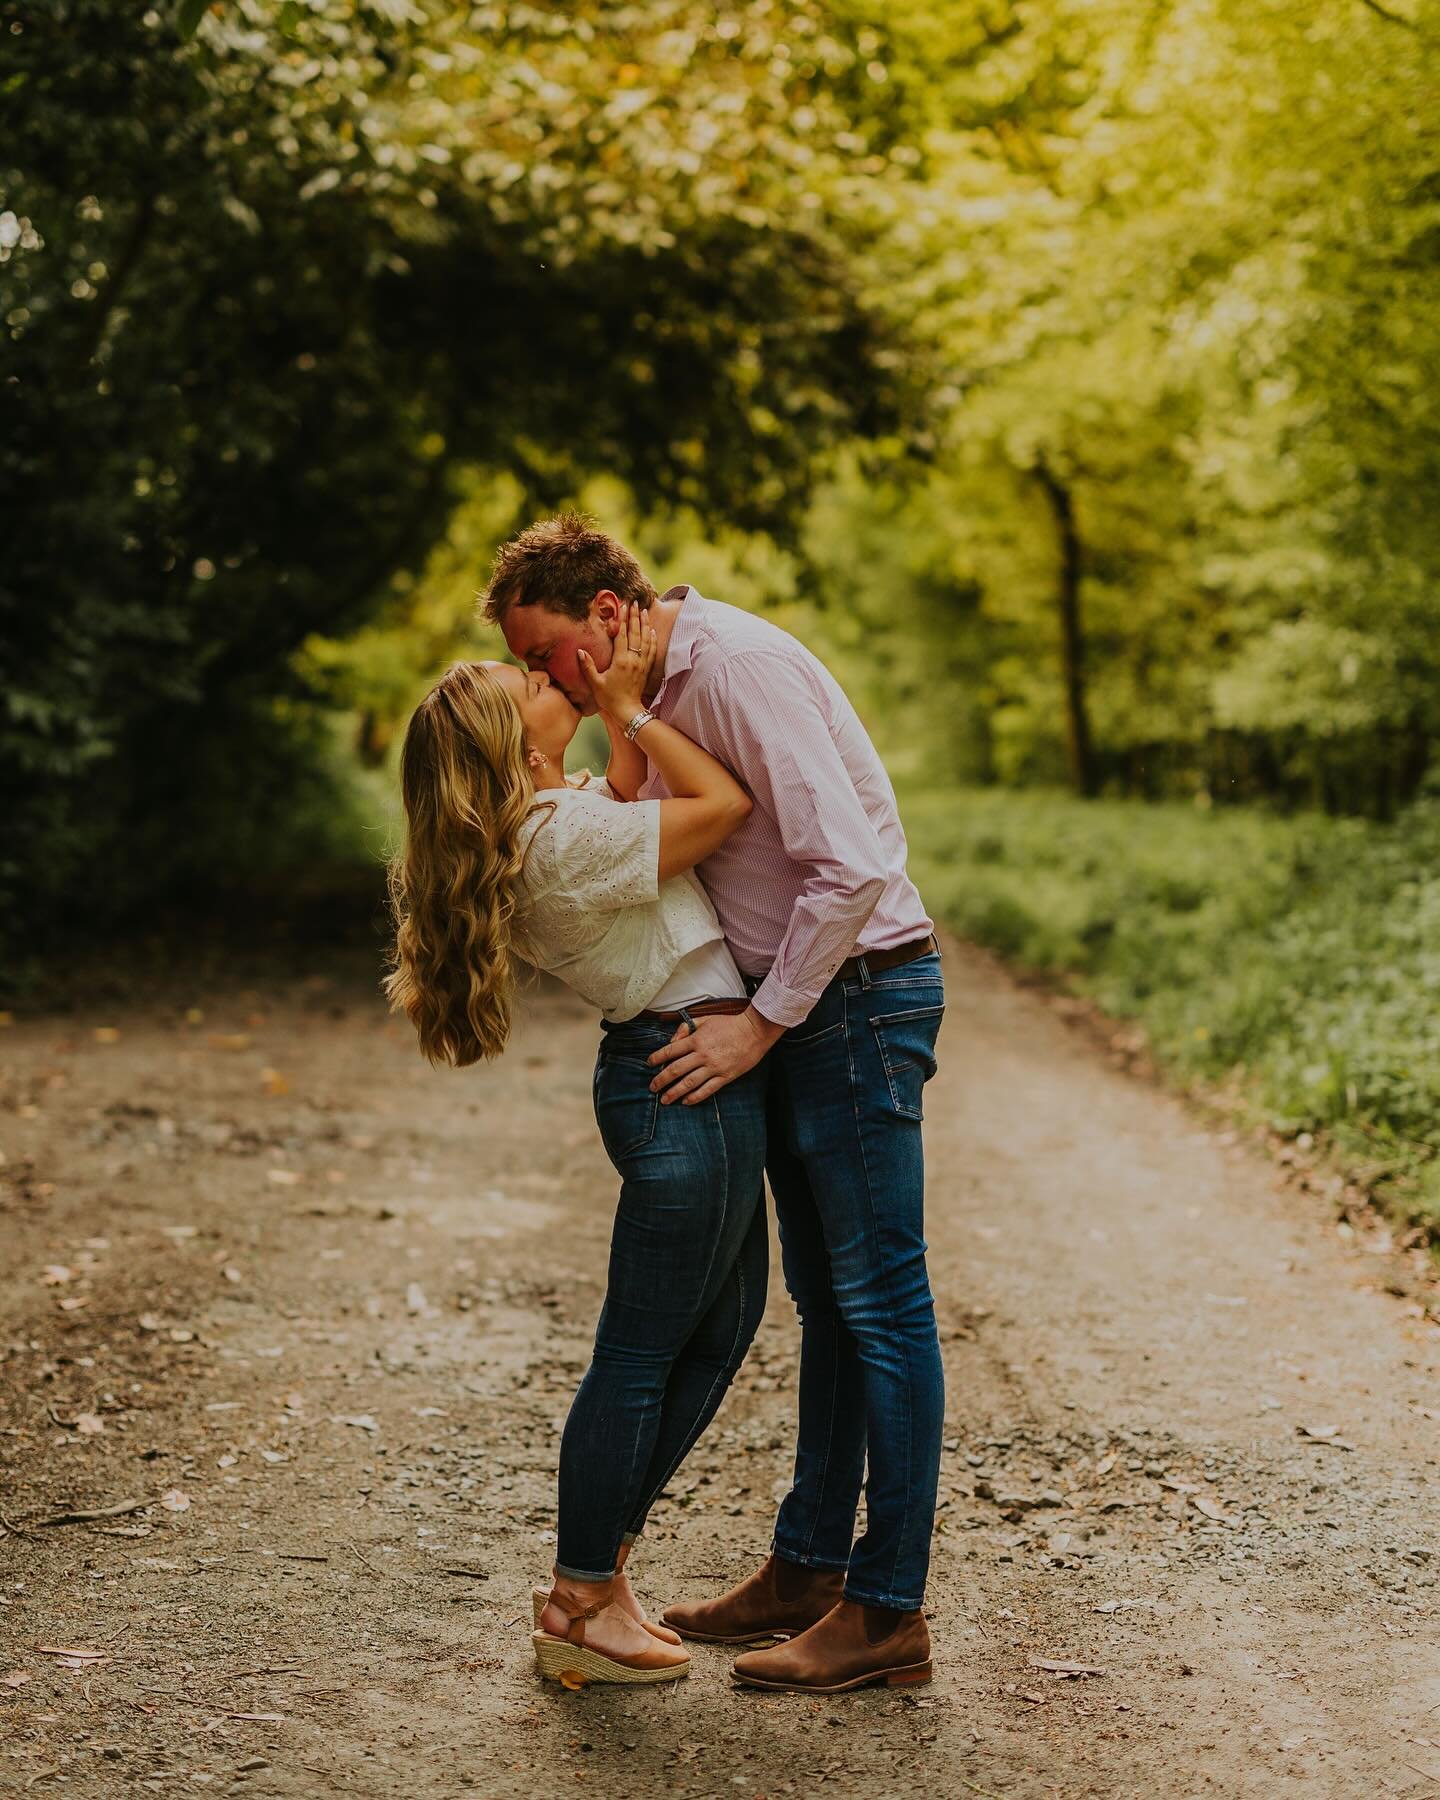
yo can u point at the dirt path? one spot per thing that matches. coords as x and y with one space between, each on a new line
332 1304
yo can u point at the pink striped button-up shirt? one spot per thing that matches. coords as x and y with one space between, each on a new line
817 871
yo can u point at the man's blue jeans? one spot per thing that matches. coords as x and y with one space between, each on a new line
688 1266
847 1172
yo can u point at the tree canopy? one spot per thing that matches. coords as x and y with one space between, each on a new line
266 288
1117 316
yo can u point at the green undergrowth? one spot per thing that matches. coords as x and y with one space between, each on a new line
1301 955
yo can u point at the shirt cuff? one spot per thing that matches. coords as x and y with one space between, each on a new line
782 1005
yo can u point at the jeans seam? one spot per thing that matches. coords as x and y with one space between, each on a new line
833 1359
881 1265
722 1379
669 1475
719 1234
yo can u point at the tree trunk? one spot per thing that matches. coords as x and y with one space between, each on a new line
1072 634
1415 761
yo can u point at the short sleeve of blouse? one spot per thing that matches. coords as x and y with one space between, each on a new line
600 854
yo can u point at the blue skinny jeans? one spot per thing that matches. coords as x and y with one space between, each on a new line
847 1172
688 1267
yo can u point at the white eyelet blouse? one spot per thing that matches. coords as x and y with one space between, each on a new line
594 911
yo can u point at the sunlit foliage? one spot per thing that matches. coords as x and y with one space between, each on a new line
264 288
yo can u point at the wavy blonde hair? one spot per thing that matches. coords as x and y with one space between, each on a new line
454 886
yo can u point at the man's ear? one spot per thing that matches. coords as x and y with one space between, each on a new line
605 609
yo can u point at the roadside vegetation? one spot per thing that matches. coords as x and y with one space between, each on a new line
1296 959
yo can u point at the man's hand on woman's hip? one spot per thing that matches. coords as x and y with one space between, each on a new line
696 1064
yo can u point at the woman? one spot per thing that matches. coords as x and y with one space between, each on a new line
503 858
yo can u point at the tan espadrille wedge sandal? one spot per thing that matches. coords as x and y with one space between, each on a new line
540 1598
573 1664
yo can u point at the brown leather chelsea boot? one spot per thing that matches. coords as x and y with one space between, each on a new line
780 1598
851 1647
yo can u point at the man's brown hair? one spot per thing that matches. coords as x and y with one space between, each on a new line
563 562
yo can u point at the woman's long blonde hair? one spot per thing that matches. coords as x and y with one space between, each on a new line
454 886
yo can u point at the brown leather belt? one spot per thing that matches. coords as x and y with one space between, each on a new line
876 960
697 1011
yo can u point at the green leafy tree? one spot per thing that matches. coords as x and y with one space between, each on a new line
264 290
1186 316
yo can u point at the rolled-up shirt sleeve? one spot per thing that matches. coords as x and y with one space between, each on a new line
763 717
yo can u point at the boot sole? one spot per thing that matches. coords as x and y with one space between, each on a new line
573 1665
772 1634
908 1675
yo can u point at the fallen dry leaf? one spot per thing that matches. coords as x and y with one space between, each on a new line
74 1653
1023 1694
16 1678
1106 1463
56 1275
1325 1434
1055 1666
89 1424
175 1501
272 1082
572 1679
1204 1504
362 1421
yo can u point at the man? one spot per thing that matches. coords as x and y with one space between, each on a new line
846 998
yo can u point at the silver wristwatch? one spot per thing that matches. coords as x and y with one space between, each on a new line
640 720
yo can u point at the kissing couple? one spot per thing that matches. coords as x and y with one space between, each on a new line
732 899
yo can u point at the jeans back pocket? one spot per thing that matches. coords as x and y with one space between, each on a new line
625 1108
906 1042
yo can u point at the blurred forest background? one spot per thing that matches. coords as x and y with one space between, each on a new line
1062 371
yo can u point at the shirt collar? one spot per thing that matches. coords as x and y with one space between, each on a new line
680 651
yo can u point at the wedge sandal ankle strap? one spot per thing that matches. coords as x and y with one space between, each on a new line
578 1617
